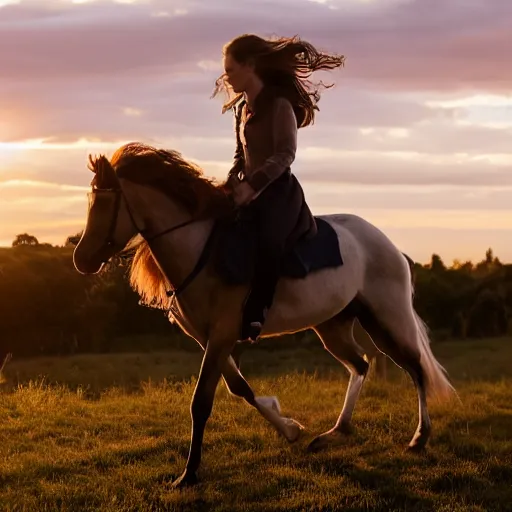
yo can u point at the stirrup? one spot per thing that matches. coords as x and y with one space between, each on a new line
253 333
255 329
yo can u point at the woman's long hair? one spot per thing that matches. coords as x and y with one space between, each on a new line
284 64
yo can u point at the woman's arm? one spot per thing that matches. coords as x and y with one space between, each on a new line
284 126
239 157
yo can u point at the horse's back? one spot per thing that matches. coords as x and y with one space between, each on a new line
352 227
368 246
368 256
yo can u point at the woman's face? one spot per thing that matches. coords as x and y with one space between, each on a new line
239 76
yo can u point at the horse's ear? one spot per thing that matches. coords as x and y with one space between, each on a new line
92 164
105 174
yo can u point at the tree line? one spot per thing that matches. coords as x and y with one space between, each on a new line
48 308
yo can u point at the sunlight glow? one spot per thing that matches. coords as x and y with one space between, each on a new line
46 143
325 153
329 187
169 14
477 100
41 184
396 132
210 65
132 112
428 218
492 125
78 2
490 111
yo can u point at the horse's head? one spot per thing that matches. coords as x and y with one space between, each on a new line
143 190
109 225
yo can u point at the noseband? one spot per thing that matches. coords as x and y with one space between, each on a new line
110 240
111 243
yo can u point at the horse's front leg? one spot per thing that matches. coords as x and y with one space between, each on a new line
215 356
267 406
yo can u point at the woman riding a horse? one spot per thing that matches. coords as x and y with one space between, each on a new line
267 85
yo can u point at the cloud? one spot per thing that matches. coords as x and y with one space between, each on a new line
49 211
11 190
429 137
448 44
419 118
413 199
452 242
345 156
67 164
97 62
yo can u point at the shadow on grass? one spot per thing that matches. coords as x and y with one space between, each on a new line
101 462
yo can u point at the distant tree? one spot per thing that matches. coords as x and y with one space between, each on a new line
492 260
436 263
25 239
73 240
466 266
489 264
488 315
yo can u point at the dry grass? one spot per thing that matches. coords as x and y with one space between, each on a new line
111 432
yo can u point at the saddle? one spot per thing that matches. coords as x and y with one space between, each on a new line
231 246
234 251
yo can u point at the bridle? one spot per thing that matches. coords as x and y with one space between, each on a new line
111 243
110 240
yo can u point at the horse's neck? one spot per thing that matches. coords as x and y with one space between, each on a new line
177 252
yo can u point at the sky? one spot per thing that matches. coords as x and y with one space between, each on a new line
415 136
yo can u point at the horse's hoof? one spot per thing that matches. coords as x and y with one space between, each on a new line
187 479
326 440
417 448
293 429
346 430
419 442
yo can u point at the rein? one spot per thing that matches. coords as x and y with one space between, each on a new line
201 262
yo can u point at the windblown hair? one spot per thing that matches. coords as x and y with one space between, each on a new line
285 64
182 181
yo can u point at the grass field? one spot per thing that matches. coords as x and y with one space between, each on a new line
110 432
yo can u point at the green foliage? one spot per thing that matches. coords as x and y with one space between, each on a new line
24 239
48 308
465 300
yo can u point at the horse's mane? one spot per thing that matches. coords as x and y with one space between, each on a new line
179 179
183 182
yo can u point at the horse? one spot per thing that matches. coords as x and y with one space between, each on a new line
171 208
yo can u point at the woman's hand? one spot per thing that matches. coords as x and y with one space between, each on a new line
243 193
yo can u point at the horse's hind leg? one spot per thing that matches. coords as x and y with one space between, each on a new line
394 343
338 338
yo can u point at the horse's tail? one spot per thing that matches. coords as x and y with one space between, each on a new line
437 383
410 262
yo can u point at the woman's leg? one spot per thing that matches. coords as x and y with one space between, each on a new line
277 211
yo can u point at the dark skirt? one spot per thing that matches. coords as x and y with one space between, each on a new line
255 242
279 216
